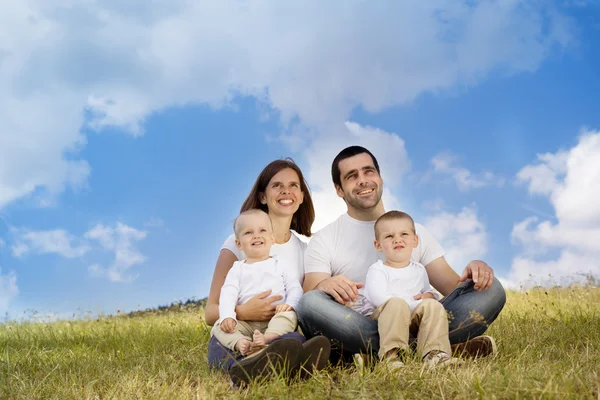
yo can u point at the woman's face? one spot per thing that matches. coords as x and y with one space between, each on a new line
283 195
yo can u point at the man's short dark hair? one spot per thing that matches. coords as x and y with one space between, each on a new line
347 153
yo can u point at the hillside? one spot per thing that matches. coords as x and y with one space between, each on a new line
548 341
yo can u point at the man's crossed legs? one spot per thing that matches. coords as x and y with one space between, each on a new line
470 313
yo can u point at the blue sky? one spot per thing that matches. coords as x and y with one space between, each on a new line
130 138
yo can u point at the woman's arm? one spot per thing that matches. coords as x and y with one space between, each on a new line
224 263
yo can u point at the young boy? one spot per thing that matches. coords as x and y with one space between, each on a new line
402 299
257 273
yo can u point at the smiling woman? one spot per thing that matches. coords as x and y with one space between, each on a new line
281 191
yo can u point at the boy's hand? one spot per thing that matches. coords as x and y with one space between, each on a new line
228 325
283 307
426 295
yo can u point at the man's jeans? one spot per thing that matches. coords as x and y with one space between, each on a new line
221 358
470 313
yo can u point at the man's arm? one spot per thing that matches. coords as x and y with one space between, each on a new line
444 279
312 279
318 275
339 287
442 276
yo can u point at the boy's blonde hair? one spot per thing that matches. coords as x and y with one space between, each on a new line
392 215
254 211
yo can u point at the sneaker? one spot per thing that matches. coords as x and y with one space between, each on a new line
436 359
393 364
480 346
280 356
313 356
359 362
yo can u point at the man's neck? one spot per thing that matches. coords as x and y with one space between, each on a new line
367 215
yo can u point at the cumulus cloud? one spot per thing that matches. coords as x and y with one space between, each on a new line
8 289
67 65
565 248
388 148
56 241
447 164
121 240
462 235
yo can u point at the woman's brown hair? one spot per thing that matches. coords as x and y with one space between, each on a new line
305 216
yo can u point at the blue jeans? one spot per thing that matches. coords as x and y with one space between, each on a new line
221 358
470 313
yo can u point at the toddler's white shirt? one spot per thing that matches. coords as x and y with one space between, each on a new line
245 281
383 283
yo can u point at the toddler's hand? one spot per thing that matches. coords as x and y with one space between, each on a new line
283 307
426 295
228 325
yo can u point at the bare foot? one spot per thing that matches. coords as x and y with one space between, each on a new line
258 339
243 345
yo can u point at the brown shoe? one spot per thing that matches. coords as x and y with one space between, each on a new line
313 356
480 346
280 356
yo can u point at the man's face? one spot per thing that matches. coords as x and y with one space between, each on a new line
362 186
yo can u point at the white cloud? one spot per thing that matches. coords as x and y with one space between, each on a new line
118 62
388 148
462 235
568 248
8 290
121 240
56 241
446 164
2 243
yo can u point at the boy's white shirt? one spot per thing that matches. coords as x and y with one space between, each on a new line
292 252
384 282
245 281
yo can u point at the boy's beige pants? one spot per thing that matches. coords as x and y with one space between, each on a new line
281 323
396 321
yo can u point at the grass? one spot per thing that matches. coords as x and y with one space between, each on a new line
549 347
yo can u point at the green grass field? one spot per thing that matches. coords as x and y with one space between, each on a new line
549 347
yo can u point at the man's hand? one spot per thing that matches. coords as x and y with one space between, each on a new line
481 273
228 325
283 307
426 295
258 308
340 288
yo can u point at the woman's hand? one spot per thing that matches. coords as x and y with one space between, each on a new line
258 308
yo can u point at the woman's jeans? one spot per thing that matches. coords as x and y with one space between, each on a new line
470 313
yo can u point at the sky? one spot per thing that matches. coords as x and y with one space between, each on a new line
131 132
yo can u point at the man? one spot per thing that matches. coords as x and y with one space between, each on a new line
338 257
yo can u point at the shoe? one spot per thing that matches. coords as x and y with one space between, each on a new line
480 346
279 356
436 359
359 361
313 356
393 364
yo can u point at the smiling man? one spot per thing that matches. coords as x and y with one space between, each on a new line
338 257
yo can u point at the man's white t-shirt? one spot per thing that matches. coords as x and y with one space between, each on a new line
345 247
384 282
245 281
292 252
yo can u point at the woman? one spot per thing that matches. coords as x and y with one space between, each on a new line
281 191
